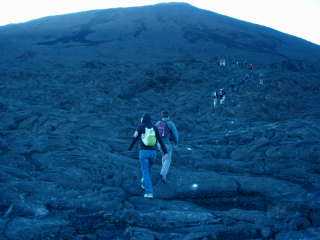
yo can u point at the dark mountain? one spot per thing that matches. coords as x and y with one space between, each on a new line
153 33
73 88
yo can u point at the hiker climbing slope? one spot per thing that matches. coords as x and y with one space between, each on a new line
170 136
218 97
221 96
214 100
148 136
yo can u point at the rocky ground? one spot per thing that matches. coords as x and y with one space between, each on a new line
73 89
248 170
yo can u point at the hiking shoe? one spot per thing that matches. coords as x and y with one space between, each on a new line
148 195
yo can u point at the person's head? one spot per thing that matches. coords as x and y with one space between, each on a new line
164 114
146 119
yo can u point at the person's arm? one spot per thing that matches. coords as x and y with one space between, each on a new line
174 132
163 146
136 136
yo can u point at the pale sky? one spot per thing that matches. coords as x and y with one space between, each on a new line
297 17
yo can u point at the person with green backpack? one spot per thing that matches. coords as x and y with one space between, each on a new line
148 136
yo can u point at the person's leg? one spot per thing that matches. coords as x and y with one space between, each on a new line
144 156
160 149
162 158
152 159
166 162
162 162
222 100
141 168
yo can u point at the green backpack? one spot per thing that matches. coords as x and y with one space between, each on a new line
149 138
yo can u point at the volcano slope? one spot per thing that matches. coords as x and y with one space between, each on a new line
73 89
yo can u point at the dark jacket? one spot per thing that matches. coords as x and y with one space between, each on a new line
173 130
146 122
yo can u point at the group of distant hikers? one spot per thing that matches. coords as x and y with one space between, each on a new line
163 136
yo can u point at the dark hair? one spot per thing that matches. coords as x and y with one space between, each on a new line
146 119
164 114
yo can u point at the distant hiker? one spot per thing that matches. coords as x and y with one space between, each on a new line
214 99
221 96
218 97
250 67
261 79
222 62
148 136
170 136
